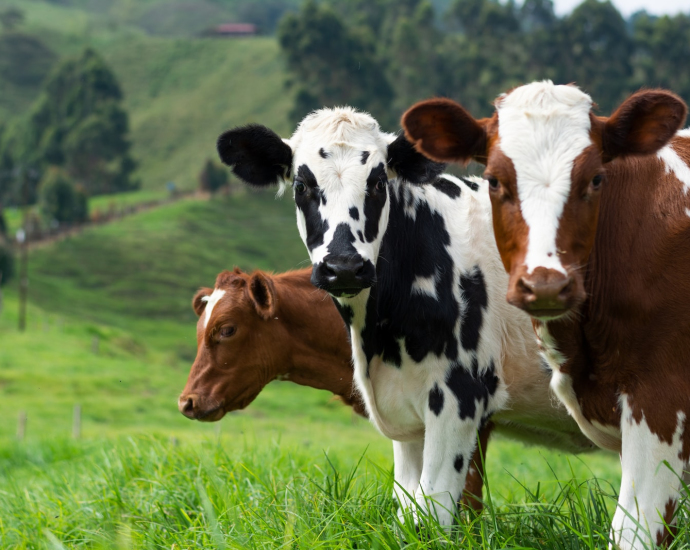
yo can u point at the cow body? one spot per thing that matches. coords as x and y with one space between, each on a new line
606 278
415 273
309 346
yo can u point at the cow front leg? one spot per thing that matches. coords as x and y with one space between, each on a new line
650 489
407 467
449 444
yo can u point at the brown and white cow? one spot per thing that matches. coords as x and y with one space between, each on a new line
255 328
591 216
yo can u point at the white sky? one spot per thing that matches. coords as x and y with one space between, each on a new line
628 7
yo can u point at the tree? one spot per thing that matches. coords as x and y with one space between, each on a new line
212 177
61 199
332 64
79 123
11 18
662 52
597 51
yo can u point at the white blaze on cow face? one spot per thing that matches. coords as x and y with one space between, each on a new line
339 156
543 128
211 302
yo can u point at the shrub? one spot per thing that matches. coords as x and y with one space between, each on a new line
212 177
6 263
61 199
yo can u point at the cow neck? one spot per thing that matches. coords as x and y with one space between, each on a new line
319 353
398 320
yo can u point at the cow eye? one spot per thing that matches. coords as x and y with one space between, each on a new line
226 332
381 185
596 181
300 188
493 183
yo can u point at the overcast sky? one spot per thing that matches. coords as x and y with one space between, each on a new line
627 7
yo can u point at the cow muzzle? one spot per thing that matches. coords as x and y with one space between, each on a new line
194 408
545 294
344 277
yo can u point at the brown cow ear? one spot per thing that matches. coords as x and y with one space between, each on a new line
262 294
445 132
198 302
643 124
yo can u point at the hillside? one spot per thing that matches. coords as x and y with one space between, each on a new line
181 91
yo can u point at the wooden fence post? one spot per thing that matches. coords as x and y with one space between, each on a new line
76 422
21 425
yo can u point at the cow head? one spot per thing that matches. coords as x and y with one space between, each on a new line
545 154
231 366
338 162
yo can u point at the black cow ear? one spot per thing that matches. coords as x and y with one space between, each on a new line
256 154
411 165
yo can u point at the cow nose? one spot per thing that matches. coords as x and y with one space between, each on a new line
337 268
344 276
186 406
544 294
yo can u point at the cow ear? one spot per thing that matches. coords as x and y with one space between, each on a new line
643 124
262 293
256 154
442 130
199 300
409 164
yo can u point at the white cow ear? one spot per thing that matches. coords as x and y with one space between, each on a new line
256 154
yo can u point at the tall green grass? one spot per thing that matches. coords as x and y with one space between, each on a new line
151 493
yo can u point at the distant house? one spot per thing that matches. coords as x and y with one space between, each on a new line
233 29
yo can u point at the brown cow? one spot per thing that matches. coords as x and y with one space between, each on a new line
255 328
592 222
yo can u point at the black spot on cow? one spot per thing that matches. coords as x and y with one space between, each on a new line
473 289
346 312
360 236
471 388
412 248
354 213
323 153
374 201
459 463
365 156
410 165
471 184
308 203
322 195
436 400
447 187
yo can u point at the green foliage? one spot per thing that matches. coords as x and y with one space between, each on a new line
481 48
79 123
10 18
332 63
213 177
6 262
61 199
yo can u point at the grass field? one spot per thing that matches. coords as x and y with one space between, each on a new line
264 470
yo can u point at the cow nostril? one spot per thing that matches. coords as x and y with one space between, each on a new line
567 288
525 287
328 269
188 406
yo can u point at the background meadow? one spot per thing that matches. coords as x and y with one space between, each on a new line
110 326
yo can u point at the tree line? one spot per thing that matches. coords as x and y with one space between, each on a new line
383 55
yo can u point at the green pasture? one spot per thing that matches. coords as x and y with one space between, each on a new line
111 329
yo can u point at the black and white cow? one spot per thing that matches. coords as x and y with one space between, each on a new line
413 267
